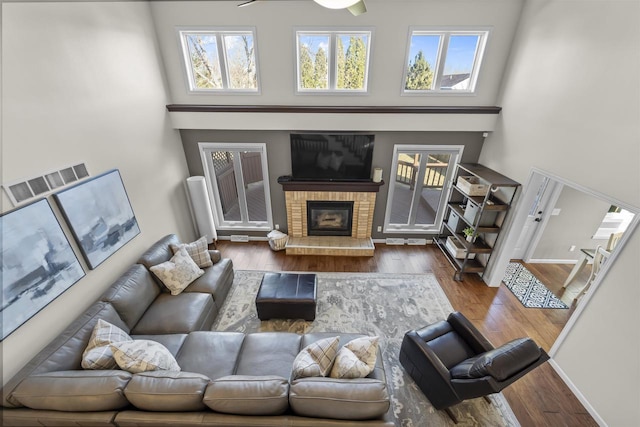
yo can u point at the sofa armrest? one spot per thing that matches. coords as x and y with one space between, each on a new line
215 255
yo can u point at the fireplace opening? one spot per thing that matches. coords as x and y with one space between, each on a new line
329 218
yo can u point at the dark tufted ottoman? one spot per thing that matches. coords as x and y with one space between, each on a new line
287 296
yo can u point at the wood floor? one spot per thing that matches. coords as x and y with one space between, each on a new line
540 398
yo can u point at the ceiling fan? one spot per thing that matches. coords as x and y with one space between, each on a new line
356 7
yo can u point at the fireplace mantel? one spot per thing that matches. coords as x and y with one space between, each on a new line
340 186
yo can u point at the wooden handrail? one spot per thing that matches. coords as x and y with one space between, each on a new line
197 108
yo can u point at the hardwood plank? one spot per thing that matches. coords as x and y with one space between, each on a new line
540 398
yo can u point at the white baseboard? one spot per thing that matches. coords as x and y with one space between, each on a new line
598 419
251 239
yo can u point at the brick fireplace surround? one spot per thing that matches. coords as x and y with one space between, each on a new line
363 196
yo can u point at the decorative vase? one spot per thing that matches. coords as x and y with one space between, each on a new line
470 238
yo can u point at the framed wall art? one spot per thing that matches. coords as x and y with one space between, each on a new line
99 215
38 263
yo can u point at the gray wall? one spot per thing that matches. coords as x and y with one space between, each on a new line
279 159
82 82
580 216
559 115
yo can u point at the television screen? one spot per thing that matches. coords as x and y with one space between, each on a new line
331 157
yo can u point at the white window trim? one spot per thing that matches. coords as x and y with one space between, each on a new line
332 33
222 57
446 33
456 156
206 147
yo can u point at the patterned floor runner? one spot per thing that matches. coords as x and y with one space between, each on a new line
528 289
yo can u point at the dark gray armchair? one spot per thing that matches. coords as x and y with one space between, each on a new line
452 361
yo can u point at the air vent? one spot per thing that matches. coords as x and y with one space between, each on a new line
394 241
25 190
239 238
416 242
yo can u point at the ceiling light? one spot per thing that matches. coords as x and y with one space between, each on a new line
356 7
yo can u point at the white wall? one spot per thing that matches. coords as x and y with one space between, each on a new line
82 82
390 20
571 103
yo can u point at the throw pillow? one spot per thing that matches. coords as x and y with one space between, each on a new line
356 359
198 251
178 272
98 355
143 355
316 359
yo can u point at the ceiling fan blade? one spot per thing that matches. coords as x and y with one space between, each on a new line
358 8
246 3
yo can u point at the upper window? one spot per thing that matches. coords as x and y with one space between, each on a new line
332 61
223 60
443 61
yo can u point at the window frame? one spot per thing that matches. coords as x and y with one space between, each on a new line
333 33
445 33
219 33
205 149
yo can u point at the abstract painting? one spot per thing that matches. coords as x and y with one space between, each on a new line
100 216
37 263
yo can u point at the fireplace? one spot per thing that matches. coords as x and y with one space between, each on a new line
329 218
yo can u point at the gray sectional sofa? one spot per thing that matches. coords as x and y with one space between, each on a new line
226 378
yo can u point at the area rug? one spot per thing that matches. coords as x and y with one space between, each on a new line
528 289
386 305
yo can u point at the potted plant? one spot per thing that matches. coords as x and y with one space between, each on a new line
468 233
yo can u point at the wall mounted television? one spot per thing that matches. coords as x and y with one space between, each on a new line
331 156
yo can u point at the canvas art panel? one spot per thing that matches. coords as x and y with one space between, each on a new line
100 216
37 263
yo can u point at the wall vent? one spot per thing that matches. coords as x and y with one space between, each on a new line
239 238
27 189
416 242
394 241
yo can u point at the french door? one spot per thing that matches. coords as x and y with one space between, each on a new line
420 180
238 183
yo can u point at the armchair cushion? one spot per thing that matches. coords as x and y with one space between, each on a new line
499 363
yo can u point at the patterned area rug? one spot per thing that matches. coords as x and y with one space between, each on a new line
528 289
386 305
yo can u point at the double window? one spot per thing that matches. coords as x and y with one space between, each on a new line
332 61
218 61
443 61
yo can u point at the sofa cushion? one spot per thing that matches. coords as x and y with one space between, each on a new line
316 359
347 399
214 354
356 359
248 395
79 391
167 391
143 355
132 294
98 355
171 314
500 363
198 251
177 273
216 281
268 353
158 253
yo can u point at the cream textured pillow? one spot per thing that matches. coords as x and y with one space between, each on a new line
98 355
178 272
143 355
315 360
198 251
356 359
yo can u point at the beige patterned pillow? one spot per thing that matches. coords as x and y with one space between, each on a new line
178 272
356 359
315 360
98 355
198 251
143 355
